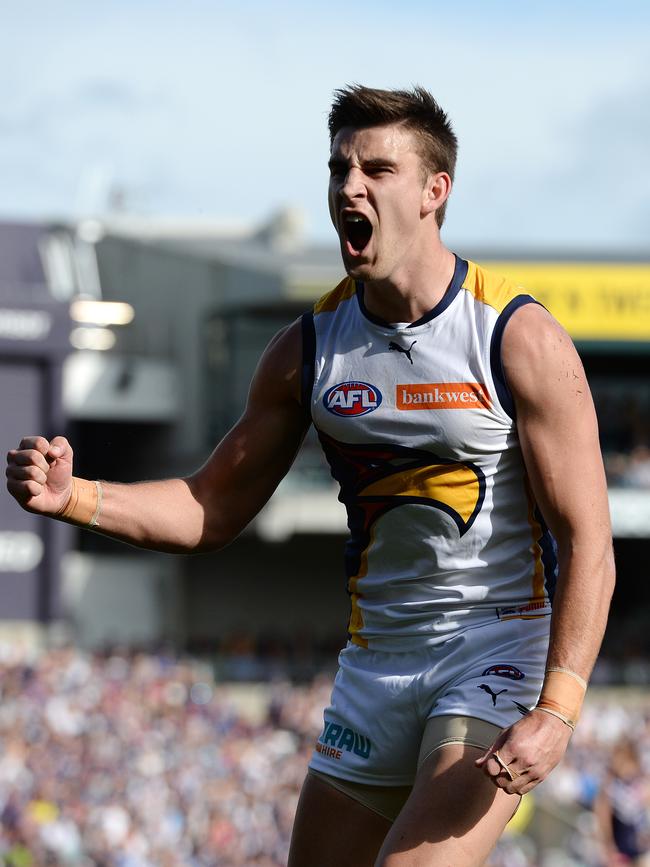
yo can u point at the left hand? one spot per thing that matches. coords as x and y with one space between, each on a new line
530 748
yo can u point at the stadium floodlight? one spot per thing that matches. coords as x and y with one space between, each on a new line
92 312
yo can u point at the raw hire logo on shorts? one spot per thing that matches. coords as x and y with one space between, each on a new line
335 738
352 398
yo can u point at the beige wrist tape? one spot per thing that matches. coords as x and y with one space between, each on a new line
562 695
84 505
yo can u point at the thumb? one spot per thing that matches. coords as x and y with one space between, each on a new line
59 448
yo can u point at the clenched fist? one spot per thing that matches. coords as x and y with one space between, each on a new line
39 474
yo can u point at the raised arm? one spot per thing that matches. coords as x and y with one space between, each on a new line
210 508
558 433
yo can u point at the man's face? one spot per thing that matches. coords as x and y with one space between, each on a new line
376 195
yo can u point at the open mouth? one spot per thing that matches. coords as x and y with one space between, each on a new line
358 232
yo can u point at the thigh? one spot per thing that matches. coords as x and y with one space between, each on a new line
333 829
454 815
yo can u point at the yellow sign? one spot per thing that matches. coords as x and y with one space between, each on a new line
594 301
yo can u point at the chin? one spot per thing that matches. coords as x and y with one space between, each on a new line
359 270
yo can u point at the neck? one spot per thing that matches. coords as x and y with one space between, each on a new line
414 288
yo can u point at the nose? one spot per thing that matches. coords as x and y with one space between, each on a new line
353 186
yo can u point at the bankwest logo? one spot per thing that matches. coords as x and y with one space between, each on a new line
442 395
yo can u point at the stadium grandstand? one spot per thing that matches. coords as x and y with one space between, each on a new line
159 711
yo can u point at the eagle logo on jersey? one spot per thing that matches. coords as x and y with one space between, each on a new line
377 478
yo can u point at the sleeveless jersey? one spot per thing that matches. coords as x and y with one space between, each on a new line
417 424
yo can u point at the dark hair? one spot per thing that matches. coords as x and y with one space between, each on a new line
360 107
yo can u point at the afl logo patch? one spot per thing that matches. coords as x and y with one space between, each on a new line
508 671
352 398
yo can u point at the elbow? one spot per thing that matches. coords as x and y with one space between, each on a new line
214 537
212 528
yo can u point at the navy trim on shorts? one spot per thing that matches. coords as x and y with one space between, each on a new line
498 375
308 360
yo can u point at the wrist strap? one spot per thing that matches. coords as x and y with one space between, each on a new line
562 695
84 505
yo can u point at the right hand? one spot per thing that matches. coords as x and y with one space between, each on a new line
39 474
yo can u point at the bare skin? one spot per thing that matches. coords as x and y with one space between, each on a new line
207 510
461 801
453 816
332 828
377 173
558 432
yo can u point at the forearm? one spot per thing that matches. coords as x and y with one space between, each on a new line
160 515
581 604
580 608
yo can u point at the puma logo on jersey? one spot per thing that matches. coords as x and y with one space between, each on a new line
493 695
395 347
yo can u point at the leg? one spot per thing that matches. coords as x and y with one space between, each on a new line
453 817
332 828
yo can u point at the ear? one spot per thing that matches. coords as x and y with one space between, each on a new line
435 193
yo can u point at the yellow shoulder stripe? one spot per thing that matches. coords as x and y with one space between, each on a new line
328 303
490 288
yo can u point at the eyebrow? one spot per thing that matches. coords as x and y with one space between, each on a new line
376 162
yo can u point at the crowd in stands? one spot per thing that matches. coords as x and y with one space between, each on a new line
624 423
143 760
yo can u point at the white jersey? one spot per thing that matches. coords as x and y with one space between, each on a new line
417 424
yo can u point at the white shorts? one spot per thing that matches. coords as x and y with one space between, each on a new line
382 700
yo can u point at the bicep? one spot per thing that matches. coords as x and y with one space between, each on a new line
556 423
247 465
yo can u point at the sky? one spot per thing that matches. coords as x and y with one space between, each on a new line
218 110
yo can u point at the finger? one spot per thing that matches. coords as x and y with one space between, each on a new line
29 458
498 762
59 447
513 787
498 742
524 782
27 473
24 491
505 774
39 443
503 781
522 787
492 767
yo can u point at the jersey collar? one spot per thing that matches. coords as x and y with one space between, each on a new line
457 280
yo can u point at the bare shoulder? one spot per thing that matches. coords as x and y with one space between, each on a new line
278 374
539 357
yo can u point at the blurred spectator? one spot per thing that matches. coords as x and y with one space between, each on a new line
142 760
624 420
145 762
622 807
